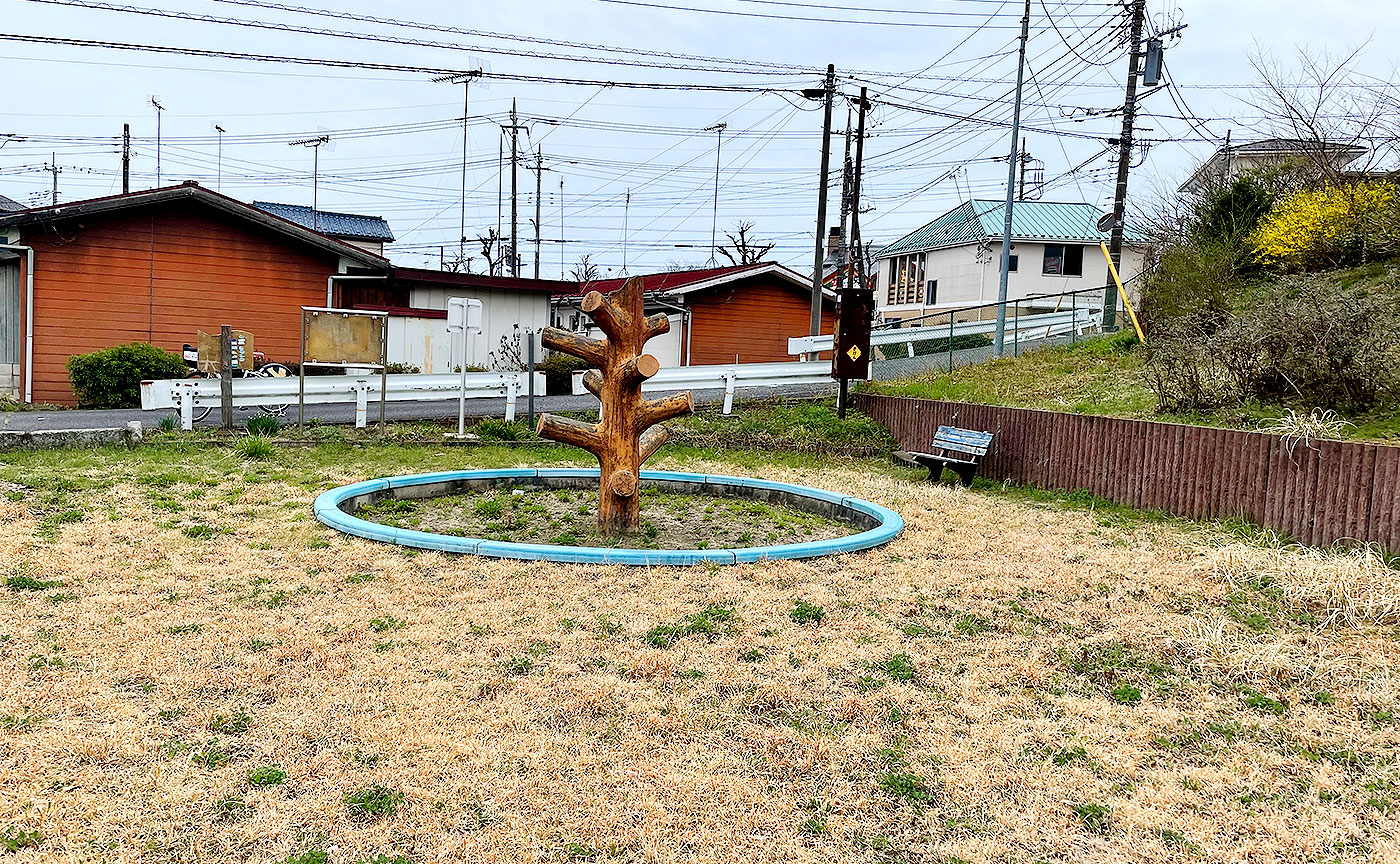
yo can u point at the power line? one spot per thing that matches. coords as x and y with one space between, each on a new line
819 20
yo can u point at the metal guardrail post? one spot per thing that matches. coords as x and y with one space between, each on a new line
1074 319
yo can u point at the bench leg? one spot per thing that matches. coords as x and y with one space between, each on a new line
966 473
935 470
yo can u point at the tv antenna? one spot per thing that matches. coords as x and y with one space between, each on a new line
315 143
160 109
219 176
718 129
479 73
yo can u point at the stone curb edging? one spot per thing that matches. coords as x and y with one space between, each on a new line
44 439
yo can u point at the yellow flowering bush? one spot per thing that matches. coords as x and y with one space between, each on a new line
1331 226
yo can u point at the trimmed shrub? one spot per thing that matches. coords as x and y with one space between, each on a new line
559 369
111 377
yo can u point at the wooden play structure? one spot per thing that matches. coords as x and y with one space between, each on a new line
626 433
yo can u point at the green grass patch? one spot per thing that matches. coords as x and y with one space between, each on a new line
707 622
373 802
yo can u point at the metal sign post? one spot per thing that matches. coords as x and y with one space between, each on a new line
464 316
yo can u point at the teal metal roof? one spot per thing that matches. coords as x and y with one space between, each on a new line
977 220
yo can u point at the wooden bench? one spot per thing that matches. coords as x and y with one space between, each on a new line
959 449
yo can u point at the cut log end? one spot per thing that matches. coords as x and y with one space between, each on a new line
623 483
591 301
647 365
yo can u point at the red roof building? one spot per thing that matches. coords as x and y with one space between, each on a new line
742 314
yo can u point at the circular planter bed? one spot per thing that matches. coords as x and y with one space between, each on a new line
539 509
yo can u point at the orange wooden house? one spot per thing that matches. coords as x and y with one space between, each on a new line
156 266
743 314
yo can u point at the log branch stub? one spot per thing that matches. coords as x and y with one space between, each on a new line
653 411
638 369
567 430
656 325
590 350
623 483
650 441
593 382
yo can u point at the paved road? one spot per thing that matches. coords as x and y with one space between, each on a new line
31 421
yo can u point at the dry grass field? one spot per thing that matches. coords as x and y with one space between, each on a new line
193 669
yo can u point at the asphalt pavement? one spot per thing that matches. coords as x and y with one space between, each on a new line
344 414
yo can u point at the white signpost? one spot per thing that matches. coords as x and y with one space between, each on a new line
463 316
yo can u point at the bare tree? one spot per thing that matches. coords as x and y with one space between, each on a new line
1345 121
585 273
742 248
492 250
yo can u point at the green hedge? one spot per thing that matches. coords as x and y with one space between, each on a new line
111 378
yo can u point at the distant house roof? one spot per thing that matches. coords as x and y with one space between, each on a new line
479 281
10 205
191 191
1275 149
679 282
976 221
345 226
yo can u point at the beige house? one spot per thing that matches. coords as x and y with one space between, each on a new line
1237 160
954 262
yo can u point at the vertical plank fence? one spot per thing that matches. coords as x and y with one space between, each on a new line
1318 494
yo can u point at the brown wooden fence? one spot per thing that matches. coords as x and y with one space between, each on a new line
1315 494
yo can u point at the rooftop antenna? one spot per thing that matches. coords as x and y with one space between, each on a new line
718 129
482 69
160 109
219 177
315 144
626 208
53 168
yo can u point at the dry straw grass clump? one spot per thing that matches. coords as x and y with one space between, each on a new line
1008 681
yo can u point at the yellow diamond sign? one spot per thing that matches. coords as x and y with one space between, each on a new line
854 353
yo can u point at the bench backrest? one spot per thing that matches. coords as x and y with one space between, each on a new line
963 440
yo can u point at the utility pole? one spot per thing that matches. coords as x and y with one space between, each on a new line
126 158
219 176
845 208
561 229
718 129
859 282
999 339
626 211
1125 152
539 195
1025 157
160 109
53 168
514 191
826 94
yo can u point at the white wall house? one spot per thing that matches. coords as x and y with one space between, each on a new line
417 300
954 262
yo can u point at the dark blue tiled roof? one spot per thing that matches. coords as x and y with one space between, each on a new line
346 226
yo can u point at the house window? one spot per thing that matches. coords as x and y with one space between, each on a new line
931 293
1013 262
906 277
1063 260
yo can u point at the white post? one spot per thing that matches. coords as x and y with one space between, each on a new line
729 389
361 403
186 396
463 315
512 385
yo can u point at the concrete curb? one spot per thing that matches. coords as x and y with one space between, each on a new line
885 524
46 439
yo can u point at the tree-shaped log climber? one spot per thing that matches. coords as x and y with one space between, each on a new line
626 433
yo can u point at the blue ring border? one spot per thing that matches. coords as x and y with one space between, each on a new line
327 510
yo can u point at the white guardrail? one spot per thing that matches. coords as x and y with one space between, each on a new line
729 377
190 394
1039 326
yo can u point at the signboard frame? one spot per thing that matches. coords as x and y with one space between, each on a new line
349 321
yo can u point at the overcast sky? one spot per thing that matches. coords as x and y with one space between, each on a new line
396 135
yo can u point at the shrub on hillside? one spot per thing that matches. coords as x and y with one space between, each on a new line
1333 226
1201 262
111 377
1303 341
